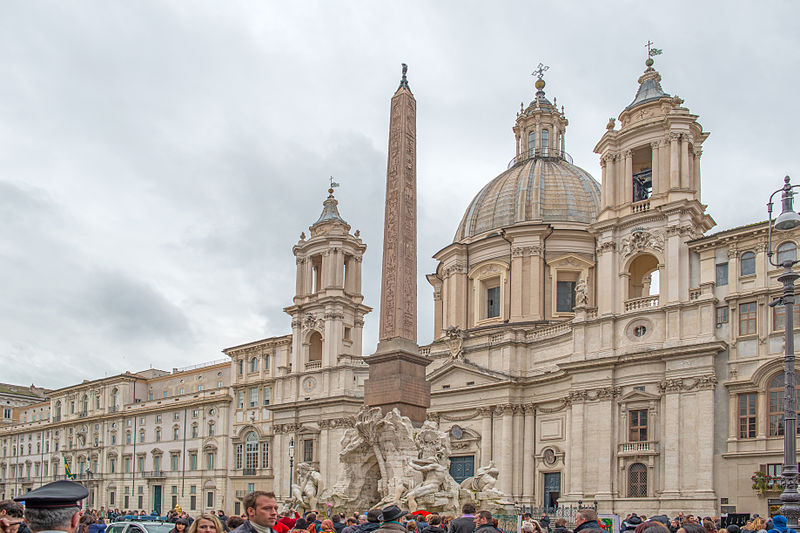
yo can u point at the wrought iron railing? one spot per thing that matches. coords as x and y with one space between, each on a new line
540 153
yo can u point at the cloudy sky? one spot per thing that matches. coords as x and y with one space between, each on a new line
159 159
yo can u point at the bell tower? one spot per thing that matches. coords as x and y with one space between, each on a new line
650 199
328 313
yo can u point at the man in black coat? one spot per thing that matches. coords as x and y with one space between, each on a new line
483 523
373 521
586 520
466 523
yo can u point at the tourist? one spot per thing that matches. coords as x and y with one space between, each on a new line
337 523
654 526
483 523
434 524
710 527
411 526
630 524
390 519
300 526
466 523
544 521
691 527
350 525
262 511
181 525
373 521
206 523
327 527
289 518
233 522
55 506
779 525
587 519
14 513
561 526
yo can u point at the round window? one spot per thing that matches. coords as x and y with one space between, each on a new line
639 331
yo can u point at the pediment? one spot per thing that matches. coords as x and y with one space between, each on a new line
571 260
638 395
458 373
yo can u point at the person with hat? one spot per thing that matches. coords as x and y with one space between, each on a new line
55 506
390 520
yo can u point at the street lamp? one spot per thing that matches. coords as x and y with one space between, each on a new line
291 465
787 220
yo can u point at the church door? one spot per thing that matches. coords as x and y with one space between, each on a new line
462 467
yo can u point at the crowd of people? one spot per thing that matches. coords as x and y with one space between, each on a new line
56 508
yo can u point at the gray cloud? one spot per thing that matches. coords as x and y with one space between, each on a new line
158 160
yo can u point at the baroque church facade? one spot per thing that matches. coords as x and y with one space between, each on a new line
594 340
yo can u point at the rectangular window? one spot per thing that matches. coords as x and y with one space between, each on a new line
308 451
722 274
265 455
219 384
127 464
747 318
176 415
195 413
722 315
238 456
158 419
174 501
111 497
253 397
140 499
747 415
565 296
140 463
127 501
180 391
240 399
176 433
173 462
192 461
637 425
778 314
193 502
156 463
210 499
210 460
493 302
112 466
266 395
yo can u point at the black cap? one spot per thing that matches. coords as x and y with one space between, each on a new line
62 493
391 512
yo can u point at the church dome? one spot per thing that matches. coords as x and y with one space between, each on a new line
538 189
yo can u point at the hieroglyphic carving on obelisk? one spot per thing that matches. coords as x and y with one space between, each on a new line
399 280
397 378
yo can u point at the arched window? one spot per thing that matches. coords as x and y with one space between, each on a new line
315 347
85 404
545 142
775 403
253 365
241 367
128 437
748 264
58 411
266 362
637 481
114 397
194 431
787 252
211 429
141 435
251 450
531 144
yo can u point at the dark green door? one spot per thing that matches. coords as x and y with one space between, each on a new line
157 499
462 467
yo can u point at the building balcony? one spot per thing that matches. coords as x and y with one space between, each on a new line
113 409
313 364
248 471
635 304
645 447
154 474
83 414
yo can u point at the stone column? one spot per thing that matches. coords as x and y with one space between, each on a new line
611 172
507 448
654 164
527 453
628 177
674 162
300 282
672 431
696 174
604 183
323 453
705 440
602 445
685 184
486 435
535 289
516 294
518 454
575 461
280 462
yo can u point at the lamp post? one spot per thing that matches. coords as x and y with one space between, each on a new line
787 220
291 465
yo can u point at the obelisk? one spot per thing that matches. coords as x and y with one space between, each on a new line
397 370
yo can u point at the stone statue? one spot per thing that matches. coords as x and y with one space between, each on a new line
435 477
308 486
581 293
481 488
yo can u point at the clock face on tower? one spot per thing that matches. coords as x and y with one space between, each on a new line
309 384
